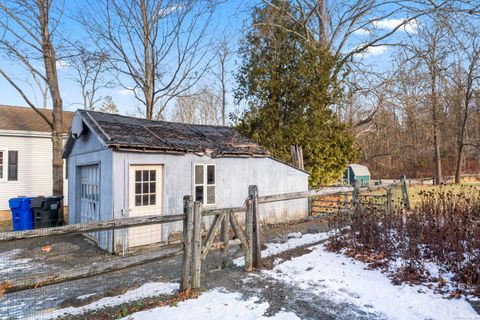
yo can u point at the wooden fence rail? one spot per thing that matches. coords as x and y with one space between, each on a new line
91 226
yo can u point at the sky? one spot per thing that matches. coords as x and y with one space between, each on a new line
228 19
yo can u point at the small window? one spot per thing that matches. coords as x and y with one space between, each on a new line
145 187
12 165
204 183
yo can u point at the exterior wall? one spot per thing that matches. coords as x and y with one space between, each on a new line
34 165
88 150
233 176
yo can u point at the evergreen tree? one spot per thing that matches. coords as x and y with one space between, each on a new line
285 81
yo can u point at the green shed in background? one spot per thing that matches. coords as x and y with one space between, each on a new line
358 173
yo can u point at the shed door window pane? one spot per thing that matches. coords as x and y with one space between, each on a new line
210 174
211 195
145 187
199 193
199 174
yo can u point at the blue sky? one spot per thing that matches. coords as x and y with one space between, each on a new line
228 20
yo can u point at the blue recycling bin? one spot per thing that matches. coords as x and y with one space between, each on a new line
22 214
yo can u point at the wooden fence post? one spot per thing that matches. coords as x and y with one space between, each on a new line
405 193
197 245
249 236
389 201
187 242
356 196
256 244
225 233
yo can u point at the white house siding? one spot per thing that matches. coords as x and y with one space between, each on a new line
34 165
233 176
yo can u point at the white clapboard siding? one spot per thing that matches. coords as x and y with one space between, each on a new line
34 165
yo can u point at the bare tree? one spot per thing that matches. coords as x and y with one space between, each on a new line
159 47
28 31
201 107
223 56
109 106
466 80
90 69
352 29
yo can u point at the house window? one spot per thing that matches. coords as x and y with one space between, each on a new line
145 187
204 183
2 165
12 165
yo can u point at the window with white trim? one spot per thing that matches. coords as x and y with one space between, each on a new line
204 183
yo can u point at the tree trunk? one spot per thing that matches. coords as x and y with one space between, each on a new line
458 169
436 142
50 62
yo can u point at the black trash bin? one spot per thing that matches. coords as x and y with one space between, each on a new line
46 211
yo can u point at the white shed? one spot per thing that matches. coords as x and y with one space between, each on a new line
123 166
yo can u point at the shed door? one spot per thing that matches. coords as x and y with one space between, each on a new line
145 198
90 195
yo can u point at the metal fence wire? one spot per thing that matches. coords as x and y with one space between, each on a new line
80 269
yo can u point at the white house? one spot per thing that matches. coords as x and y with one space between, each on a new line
25 154
122 166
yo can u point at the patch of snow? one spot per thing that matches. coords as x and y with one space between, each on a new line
343 279
213 305
9 264
292 243
147 290
296 235
85 296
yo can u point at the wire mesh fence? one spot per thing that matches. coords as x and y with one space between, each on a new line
49 272
78 268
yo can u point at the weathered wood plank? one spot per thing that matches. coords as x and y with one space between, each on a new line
249 237
256 245
187 242
197 245
89 271
225 233
212 233
238 231
303 194
216 212
91 226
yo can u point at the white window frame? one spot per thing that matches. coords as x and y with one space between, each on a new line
205 184
4 165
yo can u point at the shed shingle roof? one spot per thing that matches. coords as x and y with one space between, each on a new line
130 133
27 119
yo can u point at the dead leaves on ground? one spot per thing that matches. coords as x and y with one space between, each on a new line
4 286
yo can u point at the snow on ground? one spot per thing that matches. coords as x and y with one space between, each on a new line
9 263
343 279
276 248
213 305
147 290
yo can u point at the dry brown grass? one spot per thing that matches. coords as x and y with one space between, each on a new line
444 228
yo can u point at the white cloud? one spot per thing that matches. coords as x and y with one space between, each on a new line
362 32
390 24
376 51
61 64
125 92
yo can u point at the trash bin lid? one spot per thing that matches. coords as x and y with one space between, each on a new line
17 202
37 202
